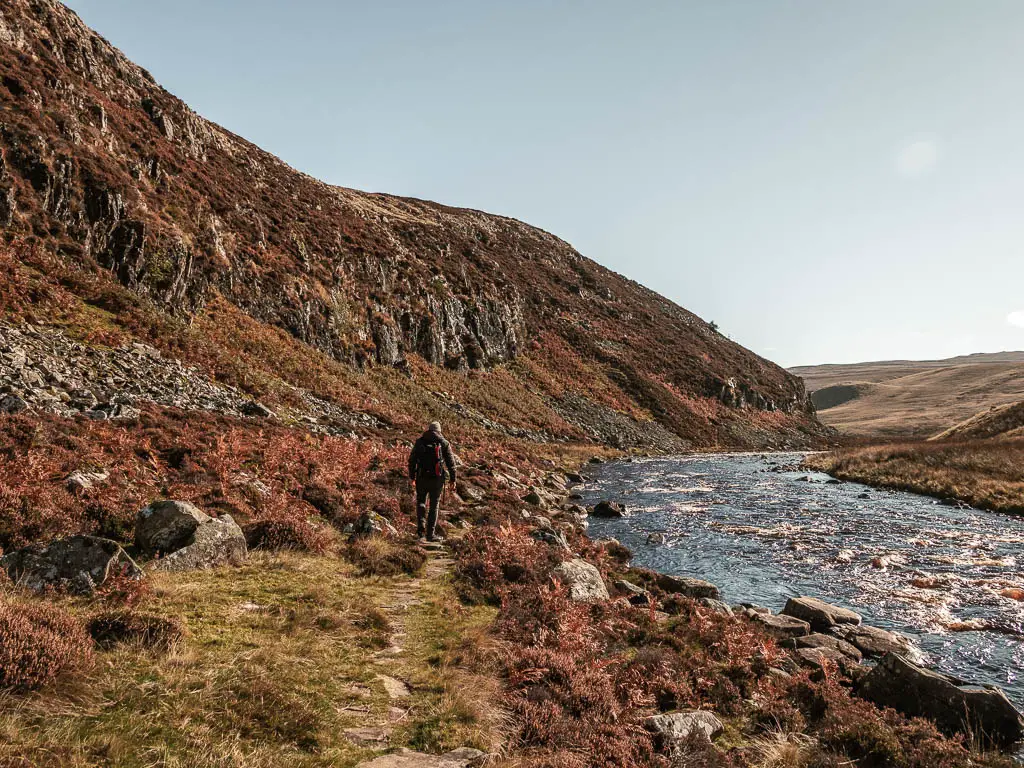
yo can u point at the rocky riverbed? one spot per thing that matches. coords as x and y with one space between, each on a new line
765 531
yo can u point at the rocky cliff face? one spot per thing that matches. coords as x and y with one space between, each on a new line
101 166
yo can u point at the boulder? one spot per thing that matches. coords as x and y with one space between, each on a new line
218 541
583 580
820 615
636 595
717 606
783 627
608 509
693 588
77 564
81 481
550 535
12 404
464 757
534 498
872 641
674 729
370 523
574 477
954 706
166 526
818 640
468 492
818 658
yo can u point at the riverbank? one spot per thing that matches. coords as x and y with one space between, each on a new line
597 657
985 474
333 642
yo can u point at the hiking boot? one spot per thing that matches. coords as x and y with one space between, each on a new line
435 539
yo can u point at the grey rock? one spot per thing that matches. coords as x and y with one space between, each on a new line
371 523
818 640
716 605
783 627
688 587
167 526
872 641
217 541
78 564
671 731
608 509
583 580
256 410
820 615
464 757
636 595
955 707
12 404
81 481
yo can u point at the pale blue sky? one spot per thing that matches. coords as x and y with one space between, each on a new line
827 180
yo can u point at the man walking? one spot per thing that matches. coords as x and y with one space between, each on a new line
430 462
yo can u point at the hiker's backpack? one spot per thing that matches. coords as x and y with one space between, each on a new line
436 452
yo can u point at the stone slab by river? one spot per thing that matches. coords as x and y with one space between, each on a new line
952 579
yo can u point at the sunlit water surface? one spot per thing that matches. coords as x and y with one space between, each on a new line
952 579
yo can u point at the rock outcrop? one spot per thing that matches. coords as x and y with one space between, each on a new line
583 581
117 180
954 706
820 615
673 730
167 526
78 564
217 541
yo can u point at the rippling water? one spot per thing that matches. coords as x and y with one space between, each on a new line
952 579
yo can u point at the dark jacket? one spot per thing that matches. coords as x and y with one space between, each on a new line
423 458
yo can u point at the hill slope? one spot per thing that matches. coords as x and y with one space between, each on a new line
1002 421
135 219
905 398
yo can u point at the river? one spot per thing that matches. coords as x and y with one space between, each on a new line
763 532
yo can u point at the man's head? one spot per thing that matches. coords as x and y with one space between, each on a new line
435 427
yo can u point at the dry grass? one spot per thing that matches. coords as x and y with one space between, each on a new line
277 663
909 400
385 556
985 474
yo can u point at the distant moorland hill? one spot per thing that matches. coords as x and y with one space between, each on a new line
906 398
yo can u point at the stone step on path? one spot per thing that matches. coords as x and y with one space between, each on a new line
404 599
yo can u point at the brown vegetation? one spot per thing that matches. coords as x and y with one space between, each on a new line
385 556
38 643
986 474
912 399
580 679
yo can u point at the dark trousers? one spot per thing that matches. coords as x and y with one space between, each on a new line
427 488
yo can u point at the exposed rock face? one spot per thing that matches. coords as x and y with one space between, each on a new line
217 541
167 526
127 180
820 615
583 580
984 713
78 564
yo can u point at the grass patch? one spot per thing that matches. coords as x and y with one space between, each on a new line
385 556
277 663
985 474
